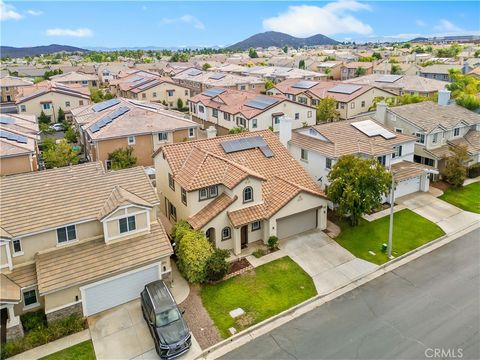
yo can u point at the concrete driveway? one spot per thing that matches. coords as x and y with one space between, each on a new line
450 218
329 264
121 333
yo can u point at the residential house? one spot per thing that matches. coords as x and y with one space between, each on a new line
76 78
18 144
352 100
401 84
475 72
146 86
354 69
332 68
238 189
437 126
109 72
198 81
226 109
9 86
319 147
92 245
438 71
120 123
278 74
385 68
49 97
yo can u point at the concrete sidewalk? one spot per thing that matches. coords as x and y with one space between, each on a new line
54 346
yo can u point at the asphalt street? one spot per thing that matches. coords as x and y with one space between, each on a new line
426 309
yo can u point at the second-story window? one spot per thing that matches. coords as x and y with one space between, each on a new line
171 182
17 247
247 194
131 140
398 151
127 224
297 116
435 138
304 154
382 160
254 123
456 132
169 92
420 138
328 163
66 234
208 192
162 136
184 196
215 113
191 132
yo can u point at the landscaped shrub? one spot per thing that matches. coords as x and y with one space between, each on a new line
33 320
40 336
179 229
259 253
217 266
193 251
474 171
272 243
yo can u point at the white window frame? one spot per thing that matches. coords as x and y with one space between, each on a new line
191 132
327 161
304 155
131 140
161 135
23 108
67 103
297 116
456 132
434 138
49 106
244 192
17 253
254 123
229 236
128 224
256 225
309 114
399 130
31 306
419 137
68 240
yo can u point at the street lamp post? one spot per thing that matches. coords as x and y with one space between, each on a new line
390 230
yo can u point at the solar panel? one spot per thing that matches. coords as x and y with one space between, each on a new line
194 72
14 137
107 119
6 120
304 84
149 84
261 102
345 89
231 146
105 105
371 128
217 76
213 92
266 151
134 79
389 78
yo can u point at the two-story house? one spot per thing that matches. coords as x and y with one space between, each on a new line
76 78
9 86
238 189
352 99
438 71
120 123
92 245
226 109
354 69
436 126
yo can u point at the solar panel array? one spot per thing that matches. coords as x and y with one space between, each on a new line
213 92
304 84
217 76
109 118
149 84
14 137
248 143
371 128
266 151
261 102
105 105
134 79
345 89
389 78
194 72
6 120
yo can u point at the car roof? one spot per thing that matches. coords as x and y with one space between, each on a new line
160 295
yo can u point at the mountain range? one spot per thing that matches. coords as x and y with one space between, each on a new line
14 52
278 39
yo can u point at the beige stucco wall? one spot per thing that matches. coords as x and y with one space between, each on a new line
18 308
61 298
179 92
3 256
16 164
142 149
34 106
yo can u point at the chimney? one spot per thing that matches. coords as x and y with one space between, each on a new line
381 112
211 132
285 130
443 97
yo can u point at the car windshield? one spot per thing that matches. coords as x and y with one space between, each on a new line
167 317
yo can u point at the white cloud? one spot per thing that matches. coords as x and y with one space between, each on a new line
307 20
35 12
186 19
81 32
8 12
445 25
420 23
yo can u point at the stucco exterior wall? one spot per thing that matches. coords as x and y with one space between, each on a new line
34 106
17 164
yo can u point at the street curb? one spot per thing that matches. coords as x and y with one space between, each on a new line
296 311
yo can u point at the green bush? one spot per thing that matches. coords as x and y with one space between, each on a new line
272 243
180 228
193 252
217 266
259 253
33 320
179 103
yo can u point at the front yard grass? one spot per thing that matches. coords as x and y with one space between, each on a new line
466 197
261 293
81 351
409 232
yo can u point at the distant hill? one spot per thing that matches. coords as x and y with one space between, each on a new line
10 51
278 39
419 39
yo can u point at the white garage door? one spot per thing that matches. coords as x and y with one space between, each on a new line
408 186
296 224
109 293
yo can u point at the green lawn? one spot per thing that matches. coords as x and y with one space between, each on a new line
409 232
261 293
466 198
82 351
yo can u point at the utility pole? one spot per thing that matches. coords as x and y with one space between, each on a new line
390 230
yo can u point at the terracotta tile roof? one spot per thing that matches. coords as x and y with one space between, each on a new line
69 195
24 275
210 211
9 291
404 170
94 260
118 197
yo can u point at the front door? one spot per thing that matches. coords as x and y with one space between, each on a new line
244 236
3 325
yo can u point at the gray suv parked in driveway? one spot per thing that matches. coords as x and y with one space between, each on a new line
169 331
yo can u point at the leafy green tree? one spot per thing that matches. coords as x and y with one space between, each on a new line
455 171
285 49
217 266
108 96
71 135
464 89
470 102
252 53
237 130
60 155
360 71
301 64
206 66
269 84
376 55
453 51
43 118
193 251
61 115
46 129
179 104
357 185
396 69
96 95
393 60
122 158
477 54
327 110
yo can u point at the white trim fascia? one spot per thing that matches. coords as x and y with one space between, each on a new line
62 306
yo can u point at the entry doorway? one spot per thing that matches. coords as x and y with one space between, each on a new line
244 236
3 325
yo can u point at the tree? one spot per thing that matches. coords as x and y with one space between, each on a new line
285 49
193 251
71 135
252 53
464 89
61 115
376 55
269 84
453 51
455 171
206 66
96 95
217 266
60 155
357 185
360 71
328 71
122 158
301 64
237 130
327 110
477 54
396 69
179 104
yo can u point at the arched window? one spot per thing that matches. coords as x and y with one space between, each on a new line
247 194
226 233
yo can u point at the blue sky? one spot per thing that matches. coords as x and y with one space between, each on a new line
201 23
